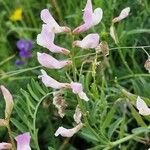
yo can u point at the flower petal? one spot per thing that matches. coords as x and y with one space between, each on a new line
6 146
50 82
47 18
124 13
78 89
23 141
68 132
90 18
50 62
142 107
90 41
8 100
46 39
97 16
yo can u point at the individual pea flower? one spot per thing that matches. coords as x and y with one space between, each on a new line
46 39
90 18
50 62
53 26
5 146
25 48
147 65
142 107
77 88
9 102
103 47
50 82
77 115
23 141
59 103
90 41
124 13
68 132
16 15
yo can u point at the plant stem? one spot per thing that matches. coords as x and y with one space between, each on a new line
11 138
73 61
35 132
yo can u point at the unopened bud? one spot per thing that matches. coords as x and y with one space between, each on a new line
147 65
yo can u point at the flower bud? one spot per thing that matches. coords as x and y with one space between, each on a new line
147 65
8 100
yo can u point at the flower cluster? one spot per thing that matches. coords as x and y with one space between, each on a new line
46 39
23 140
24 47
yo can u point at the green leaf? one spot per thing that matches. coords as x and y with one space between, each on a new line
19 125
137 117
114 126
109 117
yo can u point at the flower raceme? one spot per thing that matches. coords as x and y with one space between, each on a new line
90 18
90 41
74 86
50 62
124 13
53 26
46 39
142 107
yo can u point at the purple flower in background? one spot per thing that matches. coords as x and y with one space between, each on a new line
19 62
25 47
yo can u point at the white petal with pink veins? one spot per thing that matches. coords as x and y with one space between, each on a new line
142 107
50 82
23 141
90 41
54 27
68 132
124 13
50 62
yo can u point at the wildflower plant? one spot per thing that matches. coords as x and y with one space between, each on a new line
69 100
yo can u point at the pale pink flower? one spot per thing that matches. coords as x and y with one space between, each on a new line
53 26
77 115
6 146
46 39
68 132
90 18
8 100
50 62
23 141
78 89
90 41
50 82
124 13
142 107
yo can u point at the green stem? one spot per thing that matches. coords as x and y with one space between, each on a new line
11 138
13 73
6 60
73 61
124 61
34 120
